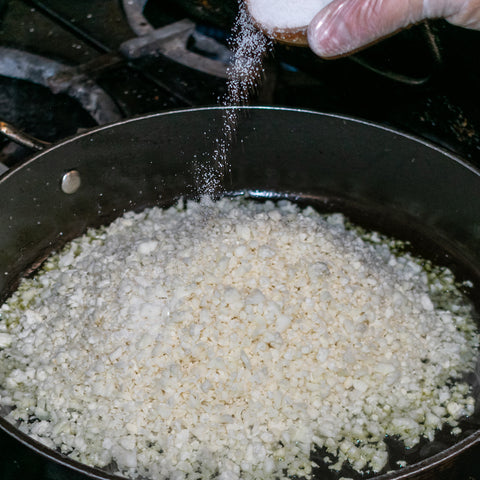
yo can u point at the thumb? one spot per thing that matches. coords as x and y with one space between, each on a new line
346 25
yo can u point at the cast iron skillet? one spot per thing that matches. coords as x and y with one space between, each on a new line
380 178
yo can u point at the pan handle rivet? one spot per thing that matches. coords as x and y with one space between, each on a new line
71 182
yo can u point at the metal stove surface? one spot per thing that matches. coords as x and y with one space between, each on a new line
66 66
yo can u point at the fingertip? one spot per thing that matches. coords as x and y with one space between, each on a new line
345 26
315 41
328 35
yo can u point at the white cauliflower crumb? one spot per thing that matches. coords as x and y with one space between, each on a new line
5 339
230 339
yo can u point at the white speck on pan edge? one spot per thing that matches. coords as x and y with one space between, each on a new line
231 338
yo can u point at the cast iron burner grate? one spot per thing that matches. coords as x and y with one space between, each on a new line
107 69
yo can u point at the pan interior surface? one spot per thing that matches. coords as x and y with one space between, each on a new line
379 179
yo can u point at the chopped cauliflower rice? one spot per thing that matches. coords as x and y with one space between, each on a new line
229 339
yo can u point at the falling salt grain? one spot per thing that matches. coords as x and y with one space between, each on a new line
249 47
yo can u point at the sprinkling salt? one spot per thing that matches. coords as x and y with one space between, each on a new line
249 47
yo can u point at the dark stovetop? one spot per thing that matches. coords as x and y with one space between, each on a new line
424 81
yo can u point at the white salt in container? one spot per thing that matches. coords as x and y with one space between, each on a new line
285 20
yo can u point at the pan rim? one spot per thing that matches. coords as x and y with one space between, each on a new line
248 108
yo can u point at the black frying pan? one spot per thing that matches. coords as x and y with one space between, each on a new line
380 178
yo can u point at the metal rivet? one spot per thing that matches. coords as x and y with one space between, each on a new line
71 181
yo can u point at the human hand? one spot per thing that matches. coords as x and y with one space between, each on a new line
347 25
